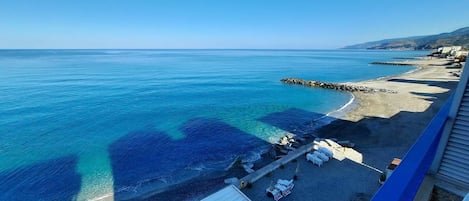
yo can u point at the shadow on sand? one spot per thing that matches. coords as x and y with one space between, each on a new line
377 139
377 131
427 82
55 179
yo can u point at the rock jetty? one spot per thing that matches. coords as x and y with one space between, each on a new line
391 63
334 86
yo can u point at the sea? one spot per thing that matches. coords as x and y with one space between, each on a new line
91 124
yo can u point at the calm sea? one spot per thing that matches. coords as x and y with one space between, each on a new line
81 124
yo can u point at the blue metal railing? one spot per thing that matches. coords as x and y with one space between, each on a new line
405 181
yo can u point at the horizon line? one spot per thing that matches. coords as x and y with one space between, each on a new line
342 48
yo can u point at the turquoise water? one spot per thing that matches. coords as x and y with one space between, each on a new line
81 124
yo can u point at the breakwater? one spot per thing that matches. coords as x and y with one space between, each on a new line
334 86
391 63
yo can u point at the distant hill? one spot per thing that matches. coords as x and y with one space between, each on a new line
459 37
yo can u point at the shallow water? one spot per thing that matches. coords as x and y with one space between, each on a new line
88 123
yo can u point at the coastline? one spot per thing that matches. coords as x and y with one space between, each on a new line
356 109
382 126
427 71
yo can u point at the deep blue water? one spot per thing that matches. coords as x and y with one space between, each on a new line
80 124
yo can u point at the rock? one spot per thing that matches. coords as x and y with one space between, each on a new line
335 86
284 141
392 63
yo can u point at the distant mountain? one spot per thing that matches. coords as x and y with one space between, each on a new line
459 37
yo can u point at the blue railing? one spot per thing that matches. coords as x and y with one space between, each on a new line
405 181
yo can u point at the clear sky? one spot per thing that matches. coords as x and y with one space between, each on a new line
295 24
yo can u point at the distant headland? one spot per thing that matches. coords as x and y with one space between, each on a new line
458 37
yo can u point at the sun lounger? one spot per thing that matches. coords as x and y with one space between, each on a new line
314 159
287 183
321 156
328 152
283 189
274 193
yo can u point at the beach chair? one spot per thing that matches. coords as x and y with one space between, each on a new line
321 155
283 189
314 159
328 152
287 183
274 193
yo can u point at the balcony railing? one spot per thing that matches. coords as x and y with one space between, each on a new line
405 181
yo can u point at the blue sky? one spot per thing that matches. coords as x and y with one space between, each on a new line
302 24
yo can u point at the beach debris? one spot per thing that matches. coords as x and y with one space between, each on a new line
335 86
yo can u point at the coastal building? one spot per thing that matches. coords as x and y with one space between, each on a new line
446 51
461 53
439 160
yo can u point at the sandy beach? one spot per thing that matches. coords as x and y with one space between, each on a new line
382 126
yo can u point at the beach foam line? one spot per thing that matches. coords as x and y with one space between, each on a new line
346 107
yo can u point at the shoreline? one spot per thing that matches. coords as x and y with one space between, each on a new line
423 66
349 106
382 126
209 183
